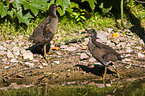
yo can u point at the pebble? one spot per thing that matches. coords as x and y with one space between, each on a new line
6 67
2 48
71 48
140 55
27 54
2 52
57 62
92 59
4 60
83 56
9 54
16 51
14 61
128 49
63 46
44 64
29 64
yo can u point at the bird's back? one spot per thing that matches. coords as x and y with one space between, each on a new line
99 51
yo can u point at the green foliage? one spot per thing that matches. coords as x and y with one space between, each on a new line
21 9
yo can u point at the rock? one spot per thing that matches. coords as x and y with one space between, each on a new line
14 61
102 36
27 54
2 48
6 67
16 51
57 62
29 64
140 55
2 52
128 49
4 60
92 59
9 54
109 30
44 64
63 46
86 41
71 48
58 53
126 59
83 56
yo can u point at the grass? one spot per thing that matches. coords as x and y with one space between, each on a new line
66 27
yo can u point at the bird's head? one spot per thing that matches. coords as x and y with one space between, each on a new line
52 10
91 33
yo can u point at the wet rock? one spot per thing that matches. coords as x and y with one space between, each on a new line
9 54
29 64
83 56
2 48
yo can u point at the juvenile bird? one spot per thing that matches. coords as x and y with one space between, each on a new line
44 33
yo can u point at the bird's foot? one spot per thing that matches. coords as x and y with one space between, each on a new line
54 48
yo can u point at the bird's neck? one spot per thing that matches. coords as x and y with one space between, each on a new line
93 38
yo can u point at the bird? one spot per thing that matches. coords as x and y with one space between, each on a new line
101 52
45 31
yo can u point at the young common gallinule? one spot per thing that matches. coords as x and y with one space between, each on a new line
101 52
44 33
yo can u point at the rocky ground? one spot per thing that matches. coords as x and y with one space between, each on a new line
71 62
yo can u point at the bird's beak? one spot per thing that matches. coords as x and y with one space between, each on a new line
57 7
86 34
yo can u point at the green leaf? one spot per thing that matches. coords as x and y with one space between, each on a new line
61 12
105 10
63 3
91 3
74 5
17 3
23 19
10 13
3 10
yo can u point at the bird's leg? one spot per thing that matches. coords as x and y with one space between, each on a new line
44 51
117 72
104 77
